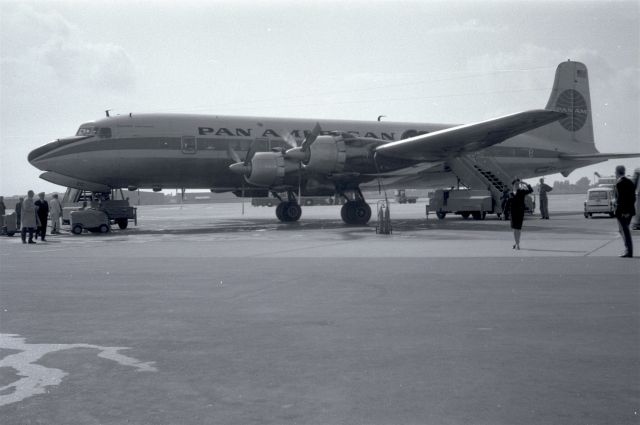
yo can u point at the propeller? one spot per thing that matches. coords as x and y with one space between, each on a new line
242 167
302 153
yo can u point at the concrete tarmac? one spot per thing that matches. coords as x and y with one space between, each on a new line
202 316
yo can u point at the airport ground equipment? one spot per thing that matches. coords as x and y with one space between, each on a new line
93 220
480 172
113 203
383 226
9 224
464 202
402 198
599 201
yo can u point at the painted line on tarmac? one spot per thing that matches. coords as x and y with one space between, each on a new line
600 247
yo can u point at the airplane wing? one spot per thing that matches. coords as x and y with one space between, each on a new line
603 156
467 138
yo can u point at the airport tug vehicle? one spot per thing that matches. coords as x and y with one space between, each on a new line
113 204
93 220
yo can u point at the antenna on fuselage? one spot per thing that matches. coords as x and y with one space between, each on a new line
107 112
380 117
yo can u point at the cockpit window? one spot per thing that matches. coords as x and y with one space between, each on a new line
104 132
86 131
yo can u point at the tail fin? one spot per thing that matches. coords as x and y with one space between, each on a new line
570 94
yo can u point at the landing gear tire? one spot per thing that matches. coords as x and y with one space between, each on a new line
122 223
356 213
465 215
288 211
441 215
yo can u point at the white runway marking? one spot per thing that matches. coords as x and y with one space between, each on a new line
35 378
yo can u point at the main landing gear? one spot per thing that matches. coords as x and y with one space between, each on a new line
288 211
356 211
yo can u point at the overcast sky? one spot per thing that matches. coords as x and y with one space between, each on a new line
64 63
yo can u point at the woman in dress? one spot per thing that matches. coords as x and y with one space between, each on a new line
519 191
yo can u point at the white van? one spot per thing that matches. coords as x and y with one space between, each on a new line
599 201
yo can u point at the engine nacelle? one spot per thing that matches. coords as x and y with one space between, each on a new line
268 169
327 155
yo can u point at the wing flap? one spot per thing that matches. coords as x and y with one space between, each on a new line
469 137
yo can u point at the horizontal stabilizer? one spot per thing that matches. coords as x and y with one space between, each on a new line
469 137
74 183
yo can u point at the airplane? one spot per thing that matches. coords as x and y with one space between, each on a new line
255 156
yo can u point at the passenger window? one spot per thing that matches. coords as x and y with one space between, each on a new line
189 144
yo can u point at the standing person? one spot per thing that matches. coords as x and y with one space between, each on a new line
28 218
55 209
43 213
518 193
625 193
544 201
18 210
636 182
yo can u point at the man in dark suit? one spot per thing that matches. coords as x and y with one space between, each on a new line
625 192
42 209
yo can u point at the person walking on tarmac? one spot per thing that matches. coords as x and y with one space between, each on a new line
55 209
625 193
518 193
29 219
43 213
544 201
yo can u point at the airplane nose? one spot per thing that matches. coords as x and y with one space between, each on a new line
38 154
41 151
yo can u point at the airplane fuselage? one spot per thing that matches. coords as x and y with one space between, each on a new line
192 151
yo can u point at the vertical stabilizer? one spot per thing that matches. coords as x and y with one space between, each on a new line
570 94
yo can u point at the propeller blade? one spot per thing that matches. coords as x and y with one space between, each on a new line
311 137
233 154
290 140
250 153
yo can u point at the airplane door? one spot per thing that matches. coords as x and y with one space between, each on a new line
188 145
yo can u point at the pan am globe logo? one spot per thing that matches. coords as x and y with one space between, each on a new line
573 104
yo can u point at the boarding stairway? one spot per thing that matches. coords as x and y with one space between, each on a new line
482 173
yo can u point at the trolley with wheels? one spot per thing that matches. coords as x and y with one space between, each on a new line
93 220
9 224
